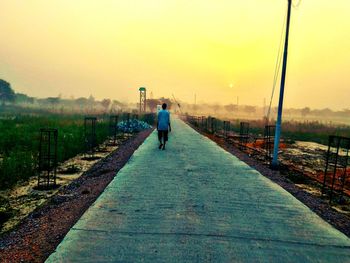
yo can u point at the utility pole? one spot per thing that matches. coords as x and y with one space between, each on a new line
283 81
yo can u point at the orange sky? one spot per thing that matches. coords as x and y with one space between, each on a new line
110 48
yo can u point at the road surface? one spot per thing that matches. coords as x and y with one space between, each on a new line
194 202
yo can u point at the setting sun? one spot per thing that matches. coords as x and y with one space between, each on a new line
110 48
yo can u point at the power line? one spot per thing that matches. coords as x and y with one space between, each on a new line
278 62
178 104
283 82
277 68
296 6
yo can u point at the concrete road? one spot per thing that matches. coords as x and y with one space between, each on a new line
194 202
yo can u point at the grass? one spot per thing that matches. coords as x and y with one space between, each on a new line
19 142
20 135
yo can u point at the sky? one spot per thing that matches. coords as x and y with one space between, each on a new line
218 50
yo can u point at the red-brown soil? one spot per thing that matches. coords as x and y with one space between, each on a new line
320 206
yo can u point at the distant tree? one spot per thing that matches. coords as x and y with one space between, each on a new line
81 101
115 106
91 98
152 104
230 107
250 109
23 98
105 104
53 101
305 111
216 107
119 105
344 113
167 101
6 92
91 103
326 112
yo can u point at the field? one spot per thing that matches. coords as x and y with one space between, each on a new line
20 135
309 131
19 142
303 150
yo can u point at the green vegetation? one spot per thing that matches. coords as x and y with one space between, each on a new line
6 92
20 135
19 142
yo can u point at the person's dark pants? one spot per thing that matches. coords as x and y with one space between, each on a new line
163 135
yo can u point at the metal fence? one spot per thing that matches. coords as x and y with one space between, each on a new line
334 181
47 158
336 175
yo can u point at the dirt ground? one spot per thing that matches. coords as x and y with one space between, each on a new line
37 236
18 202
195 202
307 192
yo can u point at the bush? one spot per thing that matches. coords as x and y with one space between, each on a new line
133 126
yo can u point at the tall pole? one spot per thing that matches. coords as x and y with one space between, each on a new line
283 81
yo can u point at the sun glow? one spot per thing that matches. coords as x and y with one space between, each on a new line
109 48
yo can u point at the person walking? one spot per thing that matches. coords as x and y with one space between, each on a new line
163 126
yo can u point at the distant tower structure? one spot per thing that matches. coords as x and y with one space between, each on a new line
142 99
151 95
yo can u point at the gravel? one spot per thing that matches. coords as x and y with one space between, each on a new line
40 233
321 207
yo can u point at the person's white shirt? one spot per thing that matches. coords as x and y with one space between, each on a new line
163 120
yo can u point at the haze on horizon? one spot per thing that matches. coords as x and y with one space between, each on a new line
217 50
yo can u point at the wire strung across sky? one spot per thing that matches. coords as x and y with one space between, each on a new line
278 62
277 67
296 6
